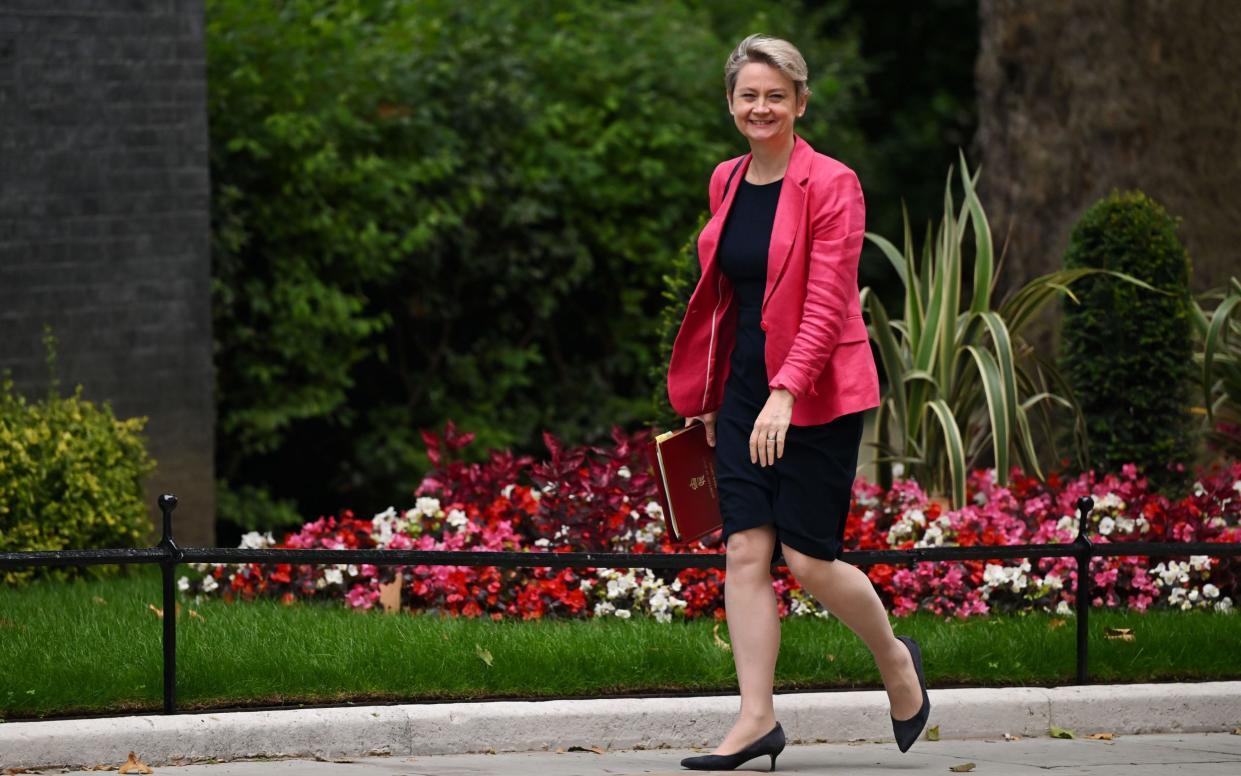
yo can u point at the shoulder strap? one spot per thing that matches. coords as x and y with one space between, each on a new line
728 183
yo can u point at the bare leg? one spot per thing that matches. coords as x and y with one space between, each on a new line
754 629
848 593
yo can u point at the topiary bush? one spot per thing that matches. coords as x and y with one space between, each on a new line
70 478
1127 351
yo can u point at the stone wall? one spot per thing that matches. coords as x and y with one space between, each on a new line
1078 97
104 229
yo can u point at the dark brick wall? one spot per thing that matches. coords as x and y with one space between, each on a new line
104 221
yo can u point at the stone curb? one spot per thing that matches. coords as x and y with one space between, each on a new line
625 723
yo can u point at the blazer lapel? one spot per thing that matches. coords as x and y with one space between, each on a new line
789 213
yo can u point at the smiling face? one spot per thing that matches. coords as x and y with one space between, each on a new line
764 104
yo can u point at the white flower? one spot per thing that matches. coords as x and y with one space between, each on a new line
1200 562
1063 609
1066 523
1217 522
544 542
1107 525
428 506
1237 486
653 509
351 570
934 537
663 616
1143 525
256 541
507 491
1125 524
1053 581
916 516
1199 491
1110 502
1210 591
604 608
209 584
622 613
333 576
1193 595
387 514
1224 604
457 519
183 584
624 472
898 469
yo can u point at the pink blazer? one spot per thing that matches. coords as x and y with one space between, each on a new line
816 341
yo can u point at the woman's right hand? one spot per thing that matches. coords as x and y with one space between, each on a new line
708 420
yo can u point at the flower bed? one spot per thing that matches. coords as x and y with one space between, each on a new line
601 499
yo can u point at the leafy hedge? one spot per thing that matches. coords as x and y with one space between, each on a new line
426 209
70 478
1126 351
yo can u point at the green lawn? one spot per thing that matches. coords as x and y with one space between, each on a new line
64 652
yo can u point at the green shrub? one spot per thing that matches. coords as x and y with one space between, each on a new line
1127 352
70 478
426 210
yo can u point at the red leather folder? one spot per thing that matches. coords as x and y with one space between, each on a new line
684 468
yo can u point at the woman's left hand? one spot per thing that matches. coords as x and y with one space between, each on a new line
767 438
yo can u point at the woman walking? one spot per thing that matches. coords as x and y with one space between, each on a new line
772 356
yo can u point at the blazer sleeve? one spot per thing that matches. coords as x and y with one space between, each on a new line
837 225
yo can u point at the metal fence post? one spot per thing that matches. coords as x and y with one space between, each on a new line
167 503
1083 553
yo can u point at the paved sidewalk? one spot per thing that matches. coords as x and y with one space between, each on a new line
1209 754
657 732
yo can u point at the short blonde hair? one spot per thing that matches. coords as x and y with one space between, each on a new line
774 52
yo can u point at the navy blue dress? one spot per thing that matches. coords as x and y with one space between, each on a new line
806 493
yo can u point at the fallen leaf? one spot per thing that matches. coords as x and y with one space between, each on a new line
719 642
1011 737
1056 622
160 612
196 616
97 600
831 658
1059 732
595 749
134 765
1124 634
932 733
1236 731
100 768
560 750
1101 736
483 654
962 768
7 771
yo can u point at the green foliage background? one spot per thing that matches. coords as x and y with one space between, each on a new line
70 478
1128 352
426 210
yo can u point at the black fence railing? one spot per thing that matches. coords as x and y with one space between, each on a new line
168 555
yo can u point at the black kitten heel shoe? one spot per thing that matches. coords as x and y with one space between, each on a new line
908 730
770 744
